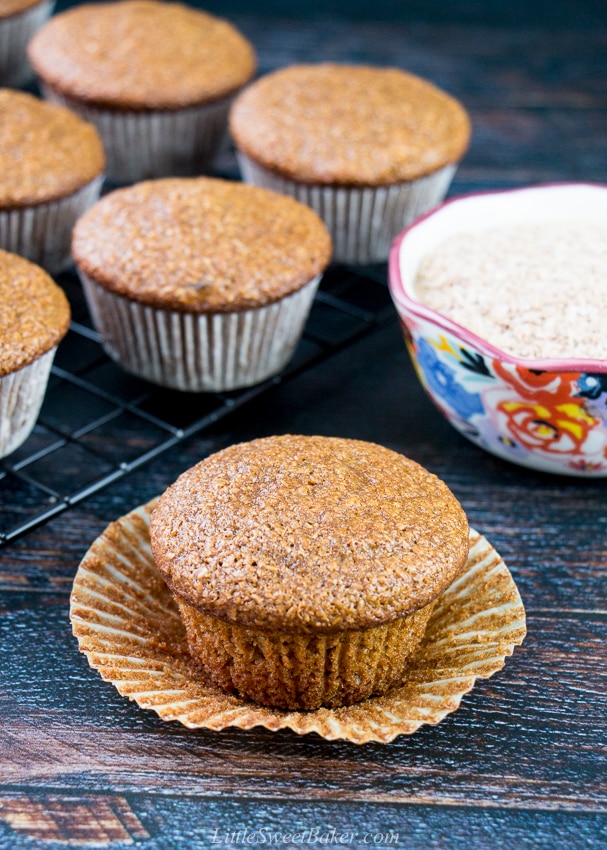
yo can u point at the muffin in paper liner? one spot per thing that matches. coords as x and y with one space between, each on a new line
362 220
128 626
215 301
21 396
179 142
15 31
156 78
368 148
42 232
34 318
51 171
199 352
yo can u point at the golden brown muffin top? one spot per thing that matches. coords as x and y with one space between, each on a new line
200 245
34 313
141 54
308 534
46 152
15 7
350 125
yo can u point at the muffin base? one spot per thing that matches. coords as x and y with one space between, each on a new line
21 396
199 352
148 144
15 32
301 671
362 220
129 628
42 233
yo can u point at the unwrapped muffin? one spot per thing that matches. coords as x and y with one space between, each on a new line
34 317
51 170
155 78
19 20
200 284
368 148
306 568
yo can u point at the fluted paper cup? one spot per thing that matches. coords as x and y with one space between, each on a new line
21 396
362 220
328 670
15 32
199 352
42 233
148 144
127 624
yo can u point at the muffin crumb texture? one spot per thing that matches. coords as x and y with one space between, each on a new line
141 54
308 535
349 125
34 313
201 245
532 290
46 152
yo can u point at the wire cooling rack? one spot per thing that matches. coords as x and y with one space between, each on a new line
99 423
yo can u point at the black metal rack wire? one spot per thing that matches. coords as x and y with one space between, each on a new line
99 423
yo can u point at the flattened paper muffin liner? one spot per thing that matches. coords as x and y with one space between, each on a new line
15 32
362 220
199 352
127 625
147 144
21 397
42 233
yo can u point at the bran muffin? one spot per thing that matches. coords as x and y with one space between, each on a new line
306 568
19 20
156 78
34 317
51 170
368 148
200 284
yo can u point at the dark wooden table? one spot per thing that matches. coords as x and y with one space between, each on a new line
522 763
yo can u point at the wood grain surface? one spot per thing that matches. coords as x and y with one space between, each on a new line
522 763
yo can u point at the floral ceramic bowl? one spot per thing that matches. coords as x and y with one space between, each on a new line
549 415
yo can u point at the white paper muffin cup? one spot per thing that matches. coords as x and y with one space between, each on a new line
362 220
199 352
42 233
15 32
21 396
148 144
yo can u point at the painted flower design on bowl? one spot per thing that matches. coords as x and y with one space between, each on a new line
550 415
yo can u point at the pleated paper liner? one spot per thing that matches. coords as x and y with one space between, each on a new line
127 625
362 220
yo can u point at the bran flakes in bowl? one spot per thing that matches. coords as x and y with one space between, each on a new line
533 290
